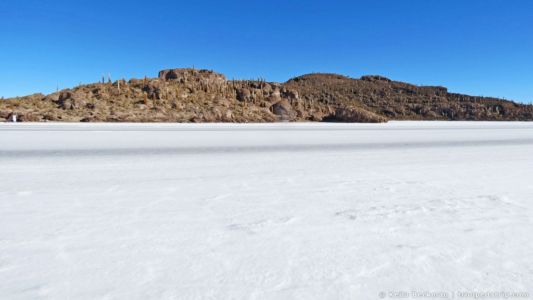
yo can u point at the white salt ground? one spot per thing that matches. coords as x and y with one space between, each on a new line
274 211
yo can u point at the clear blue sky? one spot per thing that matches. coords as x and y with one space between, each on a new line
479 47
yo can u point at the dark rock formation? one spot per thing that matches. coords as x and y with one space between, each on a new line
186 75
373 78
283 110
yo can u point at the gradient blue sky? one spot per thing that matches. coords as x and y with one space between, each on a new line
479 47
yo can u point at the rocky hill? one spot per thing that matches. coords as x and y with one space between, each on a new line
190 95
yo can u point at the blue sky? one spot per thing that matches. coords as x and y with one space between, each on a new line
478 47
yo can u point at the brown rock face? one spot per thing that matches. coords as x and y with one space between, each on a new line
373 78
72 100
290 94
283 110
356 115
244 94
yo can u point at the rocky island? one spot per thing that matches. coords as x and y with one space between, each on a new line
193 95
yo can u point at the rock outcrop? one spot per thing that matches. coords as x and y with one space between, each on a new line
194 75
191 95
356 115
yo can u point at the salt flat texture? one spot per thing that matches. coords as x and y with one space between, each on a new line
273 211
